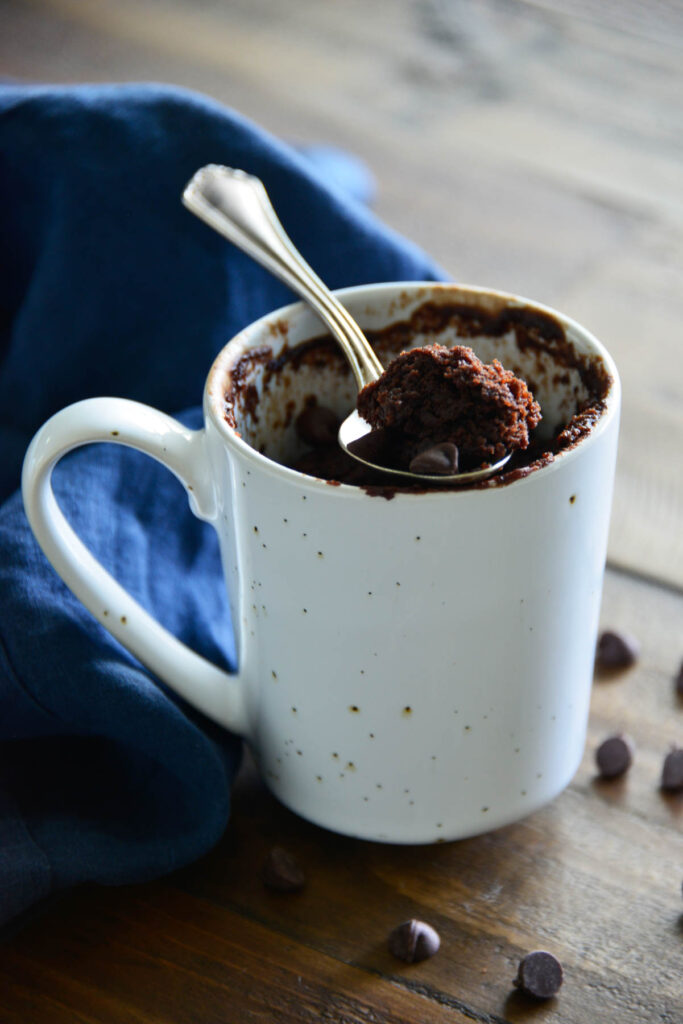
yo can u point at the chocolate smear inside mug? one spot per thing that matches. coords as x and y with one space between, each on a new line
287 399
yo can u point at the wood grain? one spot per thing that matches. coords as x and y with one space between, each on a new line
171 957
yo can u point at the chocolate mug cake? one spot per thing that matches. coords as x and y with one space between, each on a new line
435 393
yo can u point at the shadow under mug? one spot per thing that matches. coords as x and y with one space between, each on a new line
410 670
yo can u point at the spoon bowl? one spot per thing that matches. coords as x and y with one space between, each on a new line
237 206
354 428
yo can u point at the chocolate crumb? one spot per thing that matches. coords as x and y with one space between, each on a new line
672 770
616 650
614 756
539 975
281 871
413 941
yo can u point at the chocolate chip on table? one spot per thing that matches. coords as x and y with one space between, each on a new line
282 871
616 650
317 425
539 974
614 756
437 460
672 771
413 941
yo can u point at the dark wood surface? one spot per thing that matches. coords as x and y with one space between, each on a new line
531 145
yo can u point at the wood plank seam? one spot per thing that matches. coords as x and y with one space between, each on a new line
414 987
420 988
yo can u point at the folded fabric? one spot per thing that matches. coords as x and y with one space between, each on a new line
110 287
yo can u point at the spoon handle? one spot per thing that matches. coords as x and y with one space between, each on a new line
237 205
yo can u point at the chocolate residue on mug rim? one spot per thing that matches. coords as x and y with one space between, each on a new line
534 329
241 386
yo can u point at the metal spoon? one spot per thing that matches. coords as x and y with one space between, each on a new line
237 206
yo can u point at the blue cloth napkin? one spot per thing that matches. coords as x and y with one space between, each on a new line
110 287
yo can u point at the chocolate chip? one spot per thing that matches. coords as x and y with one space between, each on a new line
616 650
282 871
672 770
440 459
539 974
372 446
413 941
614 756
317 425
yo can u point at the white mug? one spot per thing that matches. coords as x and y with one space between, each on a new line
410 670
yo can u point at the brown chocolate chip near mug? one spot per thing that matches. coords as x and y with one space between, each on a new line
413 941
540 975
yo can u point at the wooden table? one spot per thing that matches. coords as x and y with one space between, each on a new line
536 146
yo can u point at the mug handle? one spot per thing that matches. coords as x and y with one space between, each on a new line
219 695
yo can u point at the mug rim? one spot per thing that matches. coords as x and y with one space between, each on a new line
213 392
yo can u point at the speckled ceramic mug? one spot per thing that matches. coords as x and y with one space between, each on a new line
410 670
